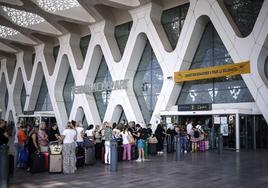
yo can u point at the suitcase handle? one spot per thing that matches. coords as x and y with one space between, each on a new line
55 143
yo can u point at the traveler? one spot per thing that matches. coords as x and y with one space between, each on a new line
131 128
54 133
80 134
97 134
189 127
90 132
108 138
69 159
32 145
195 136
126 144
160 135
140 142
43 138
22 139
3 133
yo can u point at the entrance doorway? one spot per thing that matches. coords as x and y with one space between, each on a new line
212 129
253 132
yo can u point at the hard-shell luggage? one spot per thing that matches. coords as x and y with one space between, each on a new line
202 145
102 153
55 164
145 149
170 145
206 145
134 152
90 156
45 155
152 149
10 165
120 151
80 156
37 163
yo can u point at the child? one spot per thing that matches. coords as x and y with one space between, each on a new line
140 143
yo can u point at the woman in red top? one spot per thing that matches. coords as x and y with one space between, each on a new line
22 138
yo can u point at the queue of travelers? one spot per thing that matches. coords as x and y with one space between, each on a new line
129 135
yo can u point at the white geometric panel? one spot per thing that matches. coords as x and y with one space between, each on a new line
57 5
22 18
7 31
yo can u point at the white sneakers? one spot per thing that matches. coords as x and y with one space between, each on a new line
140 160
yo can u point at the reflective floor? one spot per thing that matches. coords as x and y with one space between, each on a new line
231 169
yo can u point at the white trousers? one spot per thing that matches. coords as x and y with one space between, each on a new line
107 156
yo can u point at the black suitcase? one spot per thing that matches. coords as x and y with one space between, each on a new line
90 155
152 149
37 163
134 152
120 151
10 165
170 145
80 156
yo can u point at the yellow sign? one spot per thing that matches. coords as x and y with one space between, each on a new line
212 72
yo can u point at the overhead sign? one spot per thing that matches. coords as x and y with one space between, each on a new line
100 86
194 107
212 72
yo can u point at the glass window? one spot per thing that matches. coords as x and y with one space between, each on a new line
55 52
33 58
84 42
172 21
121 35
84 122
68 96
23 97
6 98
148 82
43 101
102 97
244 13
231 89
122 118
266 67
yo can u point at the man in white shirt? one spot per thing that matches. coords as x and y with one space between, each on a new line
189 127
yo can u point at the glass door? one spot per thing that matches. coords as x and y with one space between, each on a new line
247 133
261 132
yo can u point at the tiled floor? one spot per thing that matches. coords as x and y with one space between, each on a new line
244 169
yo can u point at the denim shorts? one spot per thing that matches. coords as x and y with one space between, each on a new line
140 143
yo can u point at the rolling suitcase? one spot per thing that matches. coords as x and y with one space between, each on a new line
170 145
90 156
120 151
134 152
102 153
37 163
55 164
145 149
206 145
202 145
10 165
153 149
45 155
80 156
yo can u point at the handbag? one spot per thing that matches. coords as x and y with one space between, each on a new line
152 140
130 139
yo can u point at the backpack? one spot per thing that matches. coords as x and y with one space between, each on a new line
196 134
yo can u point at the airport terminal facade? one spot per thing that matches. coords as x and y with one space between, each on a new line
118 64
